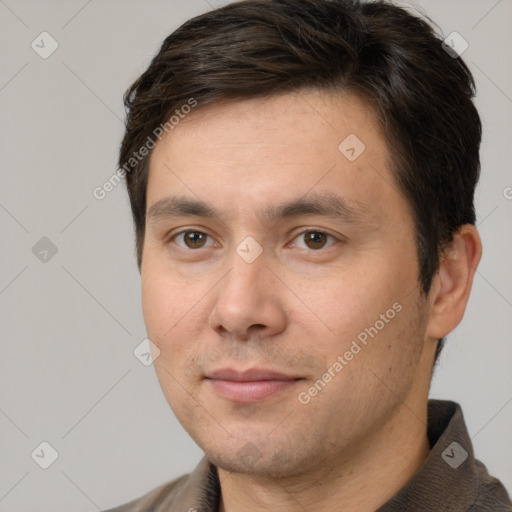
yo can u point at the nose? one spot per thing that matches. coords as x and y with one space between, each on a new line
249 301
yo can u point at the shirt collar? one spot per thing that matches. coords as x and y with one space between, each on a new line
448 479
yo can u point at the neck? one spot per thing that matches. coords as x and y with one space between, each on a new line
362 481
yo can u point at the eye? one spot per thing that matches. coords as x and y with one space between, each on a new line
191 239
314 239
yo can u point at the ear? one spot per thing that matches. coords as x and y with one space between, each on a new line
451 286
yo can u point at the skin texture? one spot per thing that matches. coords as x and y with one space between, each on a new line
298 306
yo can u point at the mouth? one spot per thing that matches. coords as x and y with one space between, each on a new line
250 386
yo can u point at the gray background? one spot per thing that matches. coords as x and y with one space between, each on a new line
69 325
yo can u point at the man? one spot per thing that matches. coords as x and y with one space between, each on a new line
301 176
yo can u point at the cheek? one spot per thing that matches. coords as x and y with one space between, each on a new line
364 311
172 315
157 306
170 325
355 300
165 299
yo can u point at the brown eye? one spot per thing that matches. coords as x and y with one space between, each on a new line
315 239
191 239
194 239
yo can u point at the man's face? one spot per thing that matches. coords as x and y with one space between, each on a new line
325 289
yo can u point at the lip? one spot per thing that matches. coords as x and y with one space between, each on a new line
251 374
250 386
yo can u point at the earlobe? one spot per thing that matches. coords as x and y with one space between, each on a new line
452 284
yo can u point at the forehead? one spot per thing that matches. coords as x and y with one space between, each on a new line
274 149
287 118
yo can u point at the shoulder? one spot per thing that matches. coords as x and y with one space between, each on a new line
149 501
491 494
197 490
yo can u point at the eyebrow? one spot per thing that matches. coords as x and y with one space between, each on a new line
325 205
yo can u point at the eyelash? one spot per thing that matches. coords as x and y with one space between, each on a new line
309 230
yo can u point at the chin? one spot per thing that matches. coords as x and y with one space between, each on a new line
262 460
